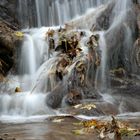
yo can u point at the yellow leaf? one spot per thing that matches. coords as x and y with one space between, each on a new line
78 124
90 123
78 106
57 120
19 34
79 132
88 107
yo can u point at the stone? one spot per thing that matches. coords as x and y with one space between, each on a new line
73 97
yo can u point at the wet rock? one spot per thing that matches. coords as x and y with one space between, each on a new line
55 97
120 72
137 12
73 97
18 89
8 12
136 56
89 92
8 41
103 19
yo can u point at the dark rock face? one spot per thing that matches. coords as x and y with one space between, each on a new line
8 12
19 16
7 48
103 20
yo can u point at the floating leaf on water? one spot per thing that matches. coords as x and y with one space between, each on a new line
58 120
78 106
89 107
102 136
79 132
107 129
78 124
122 125
129 132
90 123
83 131
137 133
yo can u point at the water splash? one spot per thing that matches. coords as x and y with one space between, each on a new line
24 104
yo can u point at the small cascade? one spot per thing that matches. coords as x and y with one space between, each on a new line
45 76
103 70
28 64
24 104
116 40
122 26
119 13
121 7
34 51
128 45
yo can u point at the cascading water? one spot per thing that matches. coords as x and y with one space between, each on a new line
39 63
34 51
103 48
23 13
55 15
119 20
51 12
28 64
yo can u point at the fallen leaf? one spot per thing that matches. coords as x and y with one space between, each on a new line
111 135
58 120
79 132
90 123
89 107
19 34
78 124
78 106
102 136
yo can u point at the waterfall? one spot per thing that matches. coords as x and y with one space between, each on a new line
34 51
22 13
40 62
28 64
120 12
23 104
57 12
117 39
52 12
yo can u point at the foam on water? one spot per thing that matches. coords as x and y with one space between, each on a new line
24 104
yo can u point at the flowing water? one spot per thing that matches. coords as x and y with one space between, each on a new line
37 63
60 11
53 12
